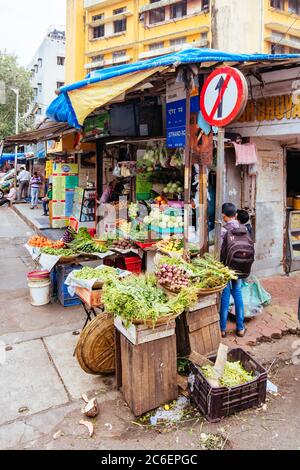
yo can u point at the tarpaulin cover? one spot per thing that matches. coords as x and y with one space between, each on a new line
7 157
70 107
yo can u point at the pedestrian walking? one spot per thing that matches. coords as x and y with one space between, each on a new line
10 197
35 183
238 254
24 180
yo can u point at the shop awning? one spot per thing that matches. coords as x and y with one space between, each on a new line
49 130
75 102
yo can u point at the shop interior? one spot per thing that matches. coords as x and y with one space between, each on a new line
293 209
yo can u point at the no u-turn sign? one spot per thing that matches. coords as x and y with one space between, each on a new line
224 96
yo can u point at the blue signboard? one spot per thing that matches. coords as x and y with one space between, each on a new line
176 117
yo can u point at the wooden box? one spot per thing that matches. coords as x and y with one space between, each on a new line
199 330
204 330
147 373
93 298
140 334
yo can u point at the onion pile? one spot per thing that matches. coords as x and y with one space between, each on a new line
173 277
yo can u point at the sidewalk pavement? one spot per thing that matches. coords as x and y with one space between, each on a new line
278 319
37 222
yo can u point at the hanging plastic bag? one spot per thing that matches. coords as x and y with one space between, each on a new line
117 171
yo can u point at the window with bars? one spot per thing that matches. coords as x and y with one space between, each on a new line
61 60
118 11
156 45
157 16
98 17
98 58
120 26
277 49
278 4
178 41
294 6
99 31
178 10
118 55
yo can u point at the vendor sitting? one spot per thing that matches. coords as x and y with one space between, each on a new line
10 197
47 199
112 192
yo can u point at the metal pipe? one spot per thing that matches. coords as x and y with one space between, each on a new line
187 174
220 188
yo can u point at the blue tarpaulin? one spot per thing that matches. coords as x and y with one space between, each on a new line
10 157
68 105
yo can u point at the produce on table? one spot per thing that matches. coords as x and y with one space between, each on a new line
234 374
174 188
58 252
172 277
122 245
87 246
83 233
69 235
164 221
103 274
205 273
139 298
43 242
170 245
133 211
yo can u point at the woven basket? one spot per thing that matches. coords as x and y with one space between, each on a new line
215 290
95 350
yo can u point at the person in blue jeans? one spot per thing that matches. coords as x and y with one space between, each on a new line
35 183
234 288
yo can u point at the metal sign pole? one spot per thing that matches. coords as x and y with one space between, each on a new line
187 175
220 190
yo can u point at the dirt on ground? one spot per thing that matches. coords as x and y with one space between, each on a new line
273 426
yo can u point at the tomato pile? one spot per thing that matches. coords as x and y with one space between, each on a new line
43 242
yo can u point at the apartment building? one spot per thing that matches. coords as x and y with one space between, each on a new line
112 32
48 70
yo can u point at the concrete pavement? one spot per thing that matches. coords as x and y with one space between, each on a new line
38 373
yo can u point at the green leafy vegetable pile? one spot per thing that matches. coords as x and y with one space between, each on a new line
104 274
139 298
58 252
234 374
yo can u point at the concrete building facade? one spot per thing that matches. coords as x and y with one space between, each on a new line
112 32
48 70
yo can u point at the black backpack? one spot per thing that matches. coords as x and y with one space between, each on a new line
238 251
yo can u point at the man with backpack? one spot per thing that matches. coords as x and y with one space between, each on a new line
237 253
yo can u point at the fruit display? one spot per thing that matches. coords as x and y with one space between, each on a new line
171 245
122 245
69 235
43 242
173 277
174 188
163 220
58 252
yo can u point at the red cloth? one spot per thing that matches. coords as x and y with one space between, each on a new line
246 154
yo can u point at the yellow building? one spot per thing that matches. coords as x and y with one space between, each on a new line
113 32
103 33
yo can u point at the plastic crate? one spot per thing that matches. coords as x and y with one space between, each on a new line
217 403
62 272
132 264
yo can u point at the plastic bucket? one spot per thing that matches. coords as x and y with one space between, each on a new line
39 292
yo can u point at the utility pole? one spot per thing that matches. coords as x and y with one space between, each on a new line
17 93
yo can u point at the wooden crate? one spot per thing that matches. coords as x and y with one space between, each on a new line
199 330
93 298
147 373
140 334
204 330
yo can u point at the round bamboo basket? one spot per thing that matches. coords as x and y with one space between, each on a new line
215 290
95 350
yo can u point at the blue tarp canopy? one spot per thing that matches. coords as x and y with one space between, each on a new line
10 157
76 101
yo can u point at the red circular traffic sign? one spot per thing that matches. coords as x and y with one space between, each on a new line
223 96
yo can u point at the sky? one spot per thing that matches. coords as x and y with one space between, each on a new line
24 24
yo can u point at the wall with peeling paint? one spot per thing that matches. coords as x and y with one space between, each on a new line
270 208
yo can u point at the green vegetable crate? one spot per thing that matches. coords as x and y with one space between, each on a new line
217 403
